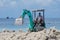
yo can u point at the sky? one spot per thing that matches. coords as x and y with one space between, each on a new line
14 8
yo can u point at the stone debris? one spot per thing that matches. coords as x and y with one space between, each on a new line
46 34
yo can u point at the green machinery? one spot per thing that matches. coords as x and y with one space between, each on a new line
27 12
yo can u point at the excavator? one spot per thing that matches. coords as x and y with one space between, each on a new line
32 28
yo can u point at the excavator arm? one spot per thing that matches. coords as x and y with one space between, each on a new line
26 12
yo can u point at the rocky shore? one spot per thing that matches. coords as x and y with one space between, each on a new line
46 34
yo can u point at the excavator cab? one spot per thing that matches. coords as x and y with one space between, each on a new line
39 26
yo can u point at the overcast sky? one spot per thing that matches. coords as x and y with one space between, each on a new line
14 8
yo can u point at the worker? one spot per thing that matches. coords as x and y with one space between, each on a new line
39 19
39 22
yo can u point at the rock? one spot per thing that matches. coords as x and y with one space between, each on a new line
46 34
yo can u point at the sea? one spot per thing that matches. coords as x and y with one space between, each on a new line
9 24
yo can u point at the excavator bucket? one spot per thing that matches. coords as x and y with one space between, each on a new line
19 21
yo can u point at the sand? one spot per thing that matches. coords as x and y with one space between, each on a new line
46 34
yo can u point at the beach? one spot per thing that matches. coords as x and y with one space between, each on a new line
46 34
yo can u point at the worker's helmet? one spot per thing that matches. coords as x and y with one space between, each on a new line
39 14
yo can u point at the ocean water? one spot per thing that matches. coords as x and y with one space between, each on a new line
9 24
